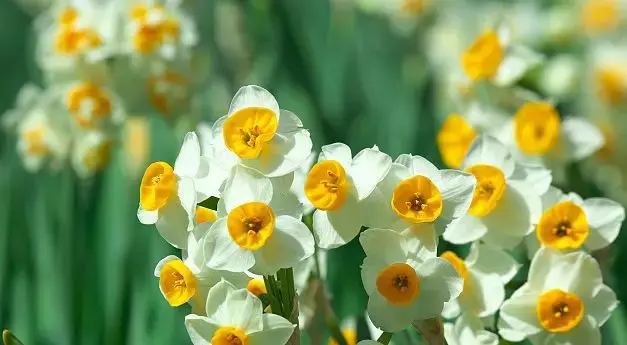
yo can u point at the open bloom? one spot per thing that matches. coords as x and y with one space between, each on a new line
256 229
92 153
485 271
236 317
569 222
404 280
468 330
493 57
89 106
506 200
563 302
260 136
418 198
168 196
336 185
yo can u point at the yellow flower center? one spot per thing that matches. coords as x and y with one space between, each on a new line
97 157
559 311
350 335
327 185
155 28
167 92
248 130
454 140
611 84
257 287
459 265
600 15
177 282
230 336
251 224
417 200
490 188
482 59
536 128
205 215
71 40
157 186
563 226
398 284
414 7
35 141
88 103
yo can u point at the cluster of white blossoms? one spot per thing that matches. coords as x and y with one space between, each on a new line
101 63
238 262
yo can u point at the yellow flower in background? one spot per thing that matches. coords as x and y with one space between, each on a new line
611 82
168 91
136 143
536 128
454 139
483 57
92 153
257 287
88 103
601 15
350 335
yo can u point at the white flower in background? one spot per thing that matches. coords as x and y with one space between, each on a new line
468 330
168 196
298 184
560 76
563 302
506 200
29 97
485 271
493 57
608 72
236 317
404 280
404 15
260 136
570 222
91 153
158 30
90 106
257 228
336 185
537 135
76 38
418 199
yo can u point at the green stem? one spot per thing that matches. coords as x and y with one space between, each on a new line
275 301
385 338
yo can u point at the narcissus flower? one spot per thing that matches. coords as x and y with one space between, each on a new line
506 200
404 280
336 185
418 198
485 271
255 229
563 302
92 153
468 330
569 222
259 135
168 196
236 317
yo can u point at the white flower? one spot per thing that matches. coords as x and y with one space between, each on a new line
468 330
298 184
91 153
260 136
236 314
337 185
417 198
404 280
506 199
89 106
485 272
563 302
257 229
560 76
569 222
168 196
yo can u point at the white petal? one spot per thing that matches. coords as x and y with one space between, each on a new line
284 201
386 245
489 151
338 152
244 310
222 253
465 229
451 309
517 61
276 330
419 165
283 154
188 160
518 317
457 190
423 239
487 260
388 317
369 167
580 138
551 197
162 262
439 283
449 334
200 330
370 270
215 300
602 304
289 122
586 333
577 271
147 217
486 294
336 228
378 212
246 186
605 218
210 178
536 178
254 96
187 196
290 243
532 245
173 223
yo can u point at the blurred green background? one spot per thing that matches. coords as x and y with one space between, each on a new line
75 264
